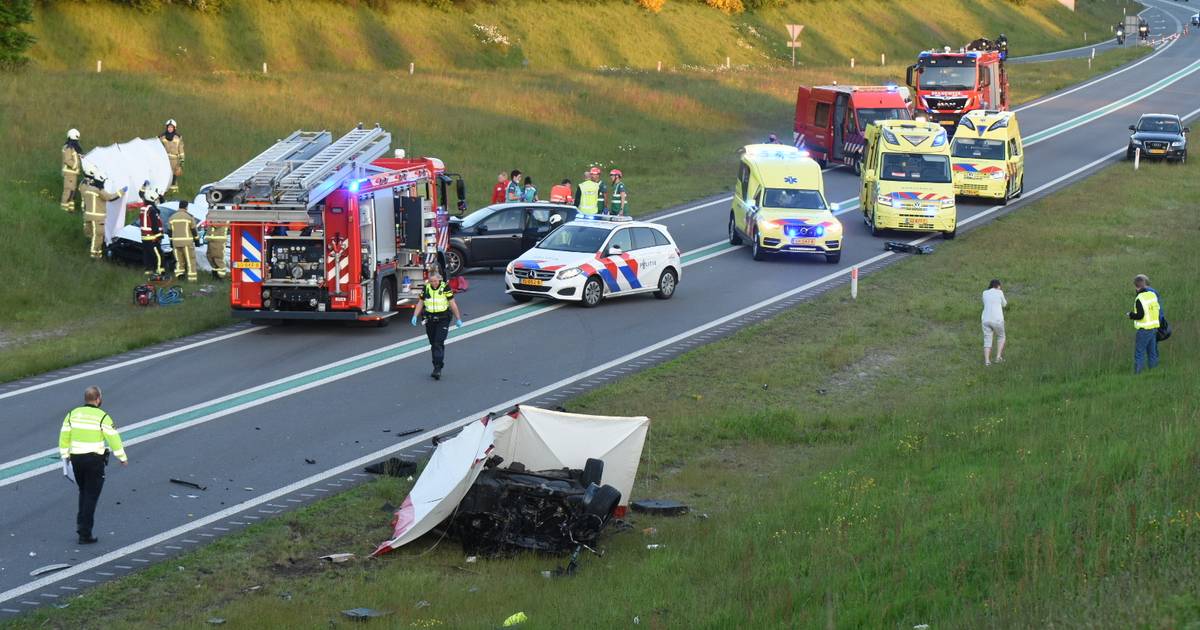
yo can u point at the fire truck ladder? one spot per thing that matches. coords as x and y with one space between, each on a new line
308 183
260 173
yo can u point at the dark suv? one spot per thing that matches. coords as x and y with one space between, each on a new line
1159 136
495 235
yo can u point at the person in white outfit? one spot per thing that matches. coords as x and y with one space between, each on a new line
993 322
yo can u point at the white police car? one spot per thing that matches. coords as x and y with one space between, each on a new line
594 257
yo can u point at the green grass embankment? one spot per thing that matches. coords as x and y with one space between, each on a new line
671 133
304 35
855 463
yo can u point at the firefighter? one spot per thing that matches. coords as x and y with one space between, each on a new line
437 303
72 157
216 236
94 211
616 197
184 240
173 143
587 193
86 436
152 232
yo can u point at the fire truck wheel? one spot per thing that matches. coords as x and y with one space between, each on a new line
387 297
454 261
593 292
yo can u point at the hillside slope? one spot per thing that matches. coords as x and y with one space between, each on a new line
320 35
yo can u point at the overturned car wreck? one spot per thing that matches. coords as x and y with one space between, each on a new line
567 476
553 511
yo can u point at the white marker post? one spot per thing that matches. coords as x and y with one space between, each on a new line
852 62
794 32
99 65
412 67
883 59
1137 158
660 66
264 67
854 282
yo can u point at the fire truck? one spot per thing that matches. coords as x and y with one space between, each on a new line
949 84
831 119
325 229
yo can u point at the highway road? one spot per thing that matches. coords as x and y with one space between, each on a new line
239 410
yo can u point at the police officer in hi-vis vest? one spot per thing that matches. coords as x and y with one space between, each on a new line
83 443
587 194
1147 317
437 303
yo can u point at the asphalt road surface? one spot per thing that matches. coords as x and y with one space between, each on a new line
239 410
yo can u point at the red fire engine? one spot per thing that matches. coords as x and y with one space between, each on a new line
831 119
324 229
950 84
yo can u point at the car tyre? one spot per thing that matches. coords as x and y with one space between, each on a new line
833 258
593 471
949 236
456 261
604 501
734 237
756 250
875 231
667 283
858 167
593 292
521 298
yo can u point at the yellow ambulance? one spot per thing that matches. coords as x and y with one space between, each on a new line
779 205
906 181
987 156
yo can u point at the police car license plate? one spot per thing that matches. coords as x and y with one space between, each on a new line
804 241
533 282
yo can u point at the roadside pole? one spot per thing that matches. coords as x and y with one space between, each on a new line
854 282
794 43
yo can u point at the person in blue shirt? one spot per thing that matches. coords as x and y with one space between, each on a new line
529 191
513 192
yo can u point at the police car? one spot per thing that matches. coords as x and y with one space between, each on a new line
594 257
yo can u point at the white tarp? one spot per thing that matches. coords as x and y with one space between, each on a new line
129 165
539 439
442 485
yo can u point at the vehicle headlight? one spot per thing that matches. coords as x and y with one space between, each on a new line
946 203
567 274
509 269
1136 142
884 200
1178 144
996 174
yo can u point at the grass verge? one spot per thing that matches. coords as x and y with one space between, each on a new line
671 133
872 473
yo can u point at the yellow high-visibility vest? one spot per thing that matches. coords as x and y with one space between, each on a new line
589 197
437 299
1149 302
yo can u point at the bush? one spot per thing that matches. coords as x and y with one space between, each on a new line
653 6
727 6
14 41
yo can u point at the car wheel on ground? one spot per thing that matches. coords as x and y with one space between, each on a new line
756 250
875 231
455 261
593 471
593 292
858 168
834 258
666 285
734 237
951 234
603 501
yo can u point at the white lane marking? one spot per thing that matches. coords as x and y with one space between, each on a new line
114 366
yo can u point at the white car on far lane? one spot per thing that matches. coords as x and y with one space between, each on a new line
595 257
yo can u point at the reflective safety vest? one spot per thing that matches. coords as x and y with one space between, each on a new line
1150 317
217 233
87 429
561 193
183 227
151 224
589 197
437 299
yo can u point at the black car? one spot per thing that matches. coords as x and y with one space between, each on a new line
1159 136
495 235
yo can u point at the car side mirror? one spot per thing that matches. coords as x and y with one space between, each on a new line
481 228
614 250
1133 127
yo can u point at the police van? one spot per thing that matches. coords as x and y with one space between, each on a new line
987 156
906 180
779 205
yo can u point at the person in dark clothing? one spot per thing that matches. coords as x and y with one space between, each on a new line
86 437
152 233
1147 317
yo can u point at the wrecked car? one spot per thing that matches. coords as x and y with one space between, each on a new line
553 511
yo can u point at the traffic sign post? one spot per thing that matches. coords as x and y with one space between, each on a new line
794 33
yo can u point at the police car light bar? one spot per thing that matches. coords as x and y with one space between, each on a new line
605 217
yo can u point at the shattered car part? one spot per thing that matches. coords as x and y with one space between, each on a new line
363 614
905 248
50 568
393 467
552 511
659 507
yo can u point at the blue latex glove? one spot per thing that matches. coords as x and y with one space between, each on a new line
414 320
458 323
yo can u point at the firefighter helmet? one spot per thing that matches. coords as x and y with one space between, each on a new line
171 123
90 170
73 134
616 172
